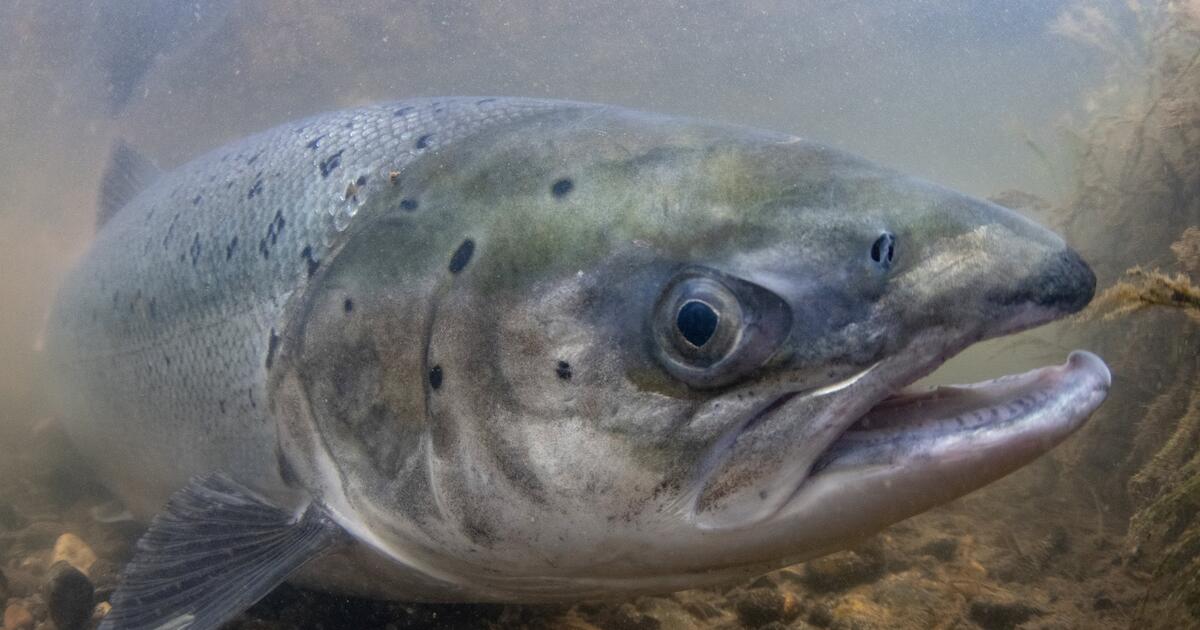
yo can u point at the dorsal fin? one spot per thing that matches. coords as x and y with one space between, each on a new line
128 173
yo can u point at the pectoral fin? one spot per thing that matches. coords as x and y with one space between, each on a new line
214 551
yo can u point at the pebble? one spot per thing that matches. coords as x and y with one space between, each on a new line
100 611
993 614
16 617
760 606
68 595
840 571
71 549
943 549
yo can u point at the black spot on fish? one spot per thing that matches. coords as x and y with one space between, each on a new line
423 141
313 263
408 204
330 163
314 143
194 250
361 181
167 359
253 159
196 200
255 189
563 370
402 111
230 247
348 305
435 376
274 229
250 394
221 406
462 256
153 309
272 344
349 124
561 188
485 101
170 230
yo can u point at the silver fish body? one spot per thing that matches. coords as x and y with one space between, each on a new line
517 350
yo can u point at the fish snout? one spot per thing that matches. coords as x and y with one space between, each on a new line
1060 281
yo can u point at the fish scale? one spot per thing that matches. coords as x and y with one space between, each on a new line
161 334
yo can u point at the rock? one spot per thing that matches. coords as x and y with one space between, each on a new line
10 519
1103 602
701 609
820 616
618 617
4 592
16 617
68 594
760 606
40 533
100 611
71 549
1002 615
842 570
943 549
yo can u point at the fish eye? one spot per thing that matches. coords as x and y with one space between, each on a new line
701 318
710 329
883 250
697 321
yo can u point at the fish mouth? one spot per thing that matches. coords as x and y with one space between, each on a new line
1042 405
927 445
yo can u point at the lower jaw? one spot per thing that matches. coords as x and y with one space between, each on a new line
911 426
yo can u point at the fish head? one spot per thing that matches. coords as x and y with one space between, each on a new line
678 352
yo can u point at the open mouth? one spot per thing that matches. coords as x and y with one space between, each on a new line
877 425
1040 406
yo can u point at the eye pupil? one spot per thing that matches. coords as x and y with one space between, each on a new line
697 322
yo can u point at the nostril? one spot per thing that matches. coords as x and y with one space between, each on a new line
883 250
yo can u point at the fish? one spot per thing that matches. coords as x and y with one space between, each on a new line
510 350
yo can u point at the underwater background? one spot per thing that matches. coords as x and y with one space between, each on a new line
1082 114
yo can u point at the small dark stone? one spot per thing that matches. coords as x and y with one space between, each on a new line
68 595
1001 615
760 606
435 376
845 569
820 616
701 609
943 548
